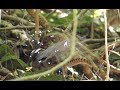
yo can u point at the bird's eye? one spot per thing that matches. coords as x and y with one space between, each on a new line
49 63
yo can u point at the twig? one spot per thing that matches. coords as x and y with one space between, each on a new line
79 15
36 24
89 41
72 50
92 29
106 47
117 53
0 15
18 27
50 13
17 19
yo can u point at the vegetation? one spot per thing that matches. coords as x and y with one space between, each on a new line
59 44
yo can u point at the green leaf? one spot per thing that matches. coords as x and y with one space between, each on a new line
8 57
23 64
5 49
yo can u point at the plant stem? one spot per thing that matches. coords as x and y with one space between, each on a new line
106 47
72 50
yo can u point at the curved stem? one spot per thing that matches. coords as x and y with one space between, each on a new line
72 50
106 47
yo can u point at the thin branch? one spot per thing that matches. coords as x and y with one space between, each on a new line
90 41
50 13
0 15
72 50
17 19
36 24
18 27
92 29
79 15
42 20
117 53
106 47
